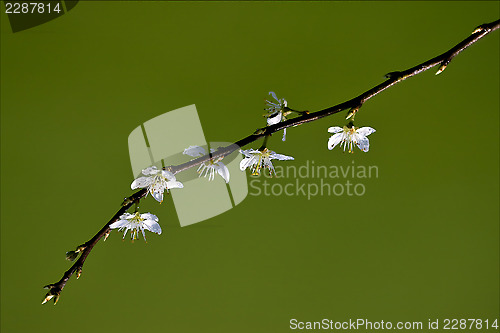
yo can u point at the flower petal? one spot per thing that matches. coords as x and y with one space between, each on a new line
168 175
174 184
152 226
152 170
248 152
280 157
140 183
284 135
194 151
274 119
149 216
335 129
118 224
246 162
365 131
223 171
364 144
157 195
334 140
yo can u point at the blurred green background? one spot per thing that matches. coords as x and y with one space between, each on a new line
422 243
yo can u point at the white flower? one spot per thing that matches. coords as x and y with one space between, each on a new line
256 159
157 181
348 137
276 111
136 222
210 166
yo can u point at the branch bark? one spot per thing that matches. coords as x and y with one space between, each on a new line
353 104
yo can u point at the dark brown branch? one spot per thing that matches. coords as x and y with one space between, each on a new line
355 103
305 117
56 288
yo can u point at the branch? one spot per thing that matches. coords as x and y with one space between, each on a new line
56 288
353 105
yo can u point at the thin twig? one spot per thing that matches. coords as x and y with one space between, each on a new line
353 105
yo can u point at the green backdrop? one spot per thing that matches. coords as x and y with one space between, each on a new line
421 243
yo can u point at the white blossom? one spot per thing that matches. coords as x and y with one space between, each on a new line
276 111
156 181
211 166
135 223
350 136
256 160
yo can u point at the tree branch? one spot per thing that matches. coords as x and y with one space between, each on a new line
56 288
353 105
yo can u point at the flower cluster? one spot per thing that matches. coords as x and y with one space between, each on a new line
157 181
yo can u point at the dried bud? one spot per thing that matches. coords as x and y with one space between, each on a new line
392 75
259 131
47 298
441 69
352 113
78 273
71 255
478 29
53 293
127 201
106 235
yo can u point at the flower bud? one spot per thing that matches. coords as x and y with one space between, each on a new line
71 255
441 69
53 293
